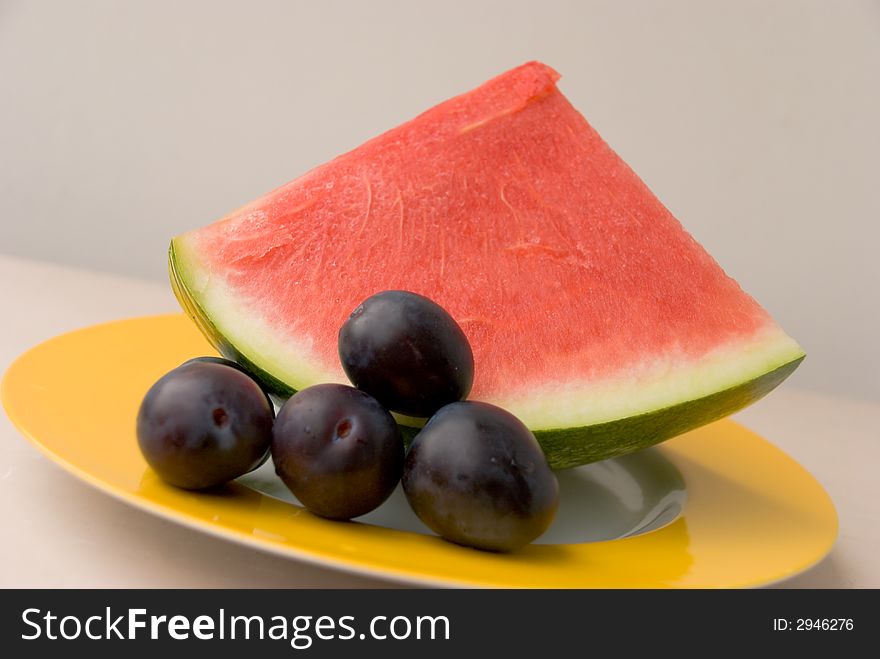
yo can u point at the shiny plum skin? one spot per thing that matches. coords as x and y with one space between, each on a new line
338 450
211 359
407 352
477 476
204 424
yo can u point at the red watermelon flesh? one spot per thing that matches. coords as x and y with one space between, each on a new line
584 299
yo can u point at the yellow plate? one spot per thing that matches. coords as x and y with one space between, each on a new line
753 515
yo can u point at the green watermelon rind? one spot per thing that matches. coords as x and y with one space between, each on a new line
216 338
564 446
569 447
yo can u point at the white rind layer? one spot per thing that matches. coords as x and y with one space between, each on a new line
647 387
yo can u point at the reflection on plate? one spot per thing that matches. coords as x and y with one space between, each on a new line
607 500
751 515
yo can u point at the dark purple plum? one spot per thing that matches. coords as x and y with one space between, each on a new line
407 352
338 450
204 424
477 476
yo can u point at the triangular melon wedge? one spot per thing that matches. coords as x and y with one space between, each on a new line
593 315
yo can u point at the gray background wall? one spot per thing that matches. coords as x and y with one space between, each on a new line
122 124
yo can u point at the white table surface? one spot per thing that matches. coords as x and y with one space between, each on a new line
60 532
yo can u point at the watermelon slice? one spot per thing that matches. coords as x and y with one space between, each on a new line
593 315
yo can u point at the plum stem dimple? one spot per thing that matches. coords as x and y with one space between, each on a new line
220 417
343 429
